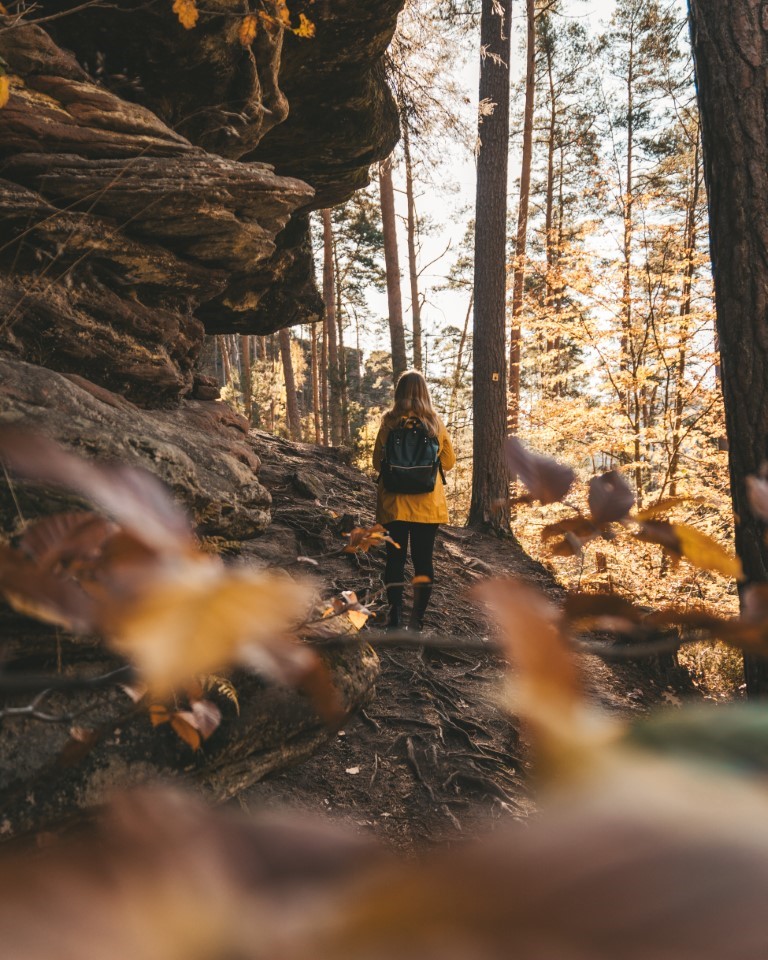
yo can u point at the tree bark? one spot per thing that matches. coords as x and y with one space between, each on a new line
315 386
392 263
730 45
459 363
685 312
518 272
343 385
489 506
413 272
329 298
245 361
291 398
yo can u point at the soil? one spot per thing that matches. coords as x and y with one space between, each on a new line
433 756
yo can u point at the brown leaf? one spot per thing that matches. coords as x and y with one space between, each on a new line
207 717
66 538
246 32
610 498
134 497
183 724
601 611
704 552
186 11
545 479
77 748
363 538
665 505
158 713
199 618
547 690
43 595
661 532
583 528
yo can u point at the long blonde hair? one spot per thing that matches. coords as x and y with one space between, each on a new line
412 399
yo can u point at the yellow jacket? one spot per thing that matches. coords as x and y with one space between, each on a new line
415 507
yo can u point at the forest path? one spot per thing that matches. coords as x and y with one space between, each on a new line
433 755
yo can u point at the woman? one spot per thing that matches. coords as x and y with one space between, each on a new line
412 517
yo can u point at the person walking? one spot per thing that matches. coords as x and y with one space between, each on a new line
412 452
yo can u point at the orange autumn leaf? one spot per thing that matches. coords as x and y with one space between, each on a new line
5 90
305 28
283 13
363 538
158 713
180 722
702 551
186 11
358 618
201 617
246 32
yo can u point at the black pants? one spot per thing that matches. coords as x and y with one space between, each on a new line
422 542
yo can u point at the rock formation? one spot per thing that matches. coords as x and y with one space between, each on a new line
155 185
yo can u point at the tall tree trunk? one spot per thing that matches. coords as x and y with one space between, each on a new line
291 398
730 44
489 507
221 340
343 386
685 312
413 272
521 238
392 263
459 363
315 385
245 357
324 382
329 297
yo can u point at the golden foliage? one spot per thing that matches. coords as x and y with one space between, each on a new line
361 539
246 32
703 552
186 11
200 617
305 28
5 89
545 687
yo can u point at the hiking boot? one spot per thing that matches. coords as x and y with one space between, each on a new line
420 603
395 616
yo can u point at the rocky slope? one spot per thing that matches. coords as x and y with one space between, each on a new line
148 194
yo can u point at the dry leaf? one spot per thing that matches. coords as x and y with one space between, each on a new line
207 717
665 505
702 551
305 28
183 725
545 479
37 593
5 89
186 11
202 617
133 497
358 618
158 713
363 538
610 498
545 684
246 32
66 538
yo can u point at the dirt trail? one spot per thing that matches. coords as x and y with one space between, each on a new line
433 755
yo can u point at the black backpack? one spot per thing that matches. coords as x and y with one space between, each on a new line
411 460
